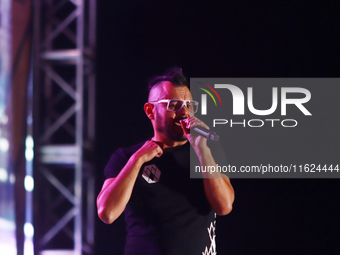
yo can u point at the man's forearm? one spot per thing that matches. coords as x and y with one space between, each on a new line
220 194
218 188
116 192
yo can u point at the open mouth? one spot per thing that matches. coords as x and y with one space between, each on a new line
178 123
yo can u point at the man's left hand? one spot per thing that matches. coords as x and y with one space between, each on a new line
196 141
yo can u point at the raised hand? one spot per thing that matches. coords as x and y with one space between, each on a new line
198 142
149 150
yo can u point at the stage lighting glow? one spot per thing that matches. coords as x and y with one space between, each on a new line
29 183
7 237
4 145
28 230
29 153
8 249
29 142
28 247
3 175
4 119
11 178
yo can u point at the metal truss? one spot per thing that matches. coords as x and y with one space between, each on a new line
64 126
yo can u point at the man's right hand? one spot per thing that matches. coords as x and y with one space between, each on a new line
148 151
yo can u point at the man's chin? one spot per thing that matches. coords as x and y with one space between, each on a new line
175 134
177 137
183 138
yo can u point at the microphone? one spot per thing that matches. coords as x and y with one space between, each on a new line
210 135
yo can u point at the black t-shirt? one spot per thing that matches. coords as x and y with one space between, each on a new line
168 212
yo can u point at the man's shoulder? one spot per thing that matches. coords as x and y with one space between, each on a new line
118 160
129 150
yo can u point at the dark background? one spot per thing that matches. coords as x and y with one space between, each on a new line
140 39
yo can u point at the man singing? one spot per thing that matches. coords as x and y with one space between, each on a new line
166 211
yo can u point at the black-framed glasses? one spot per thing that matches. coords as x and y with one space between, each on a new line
174 105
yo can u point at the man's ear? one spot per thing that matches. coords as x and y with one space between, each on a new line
148 109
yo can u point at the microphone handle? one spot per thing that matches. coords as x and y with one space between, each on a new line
210 135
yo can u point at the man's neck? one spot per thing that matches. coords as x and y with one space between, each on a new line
168 143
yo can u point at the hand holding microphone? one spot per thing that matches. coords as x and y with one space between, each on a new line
206 133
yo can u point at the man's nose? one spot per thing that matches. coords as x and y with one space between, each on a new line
184 111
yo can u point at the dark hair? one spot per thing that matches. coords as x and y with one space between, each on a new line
173 75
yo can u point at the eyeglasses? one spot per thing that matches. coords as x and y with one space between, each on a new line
174 105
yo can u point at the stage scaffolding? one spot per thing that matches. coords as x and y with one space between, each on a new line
64 126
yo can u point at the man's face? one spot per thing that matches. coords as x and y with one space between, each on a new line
167 122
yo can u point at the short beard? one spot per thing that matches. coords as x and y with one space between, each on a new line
168 129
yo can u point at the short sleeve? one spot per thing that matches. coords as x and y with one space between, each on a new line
118 160
116 163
